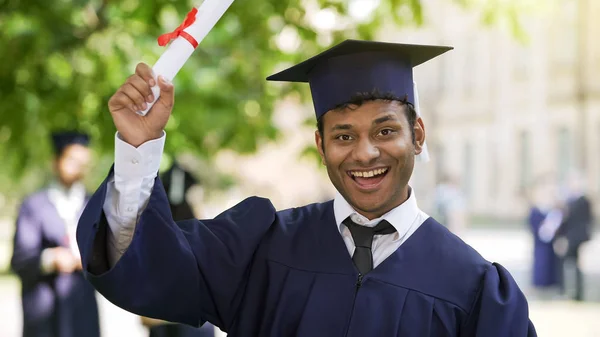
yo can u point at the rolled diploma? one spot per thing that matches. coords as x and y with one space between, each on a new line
180 49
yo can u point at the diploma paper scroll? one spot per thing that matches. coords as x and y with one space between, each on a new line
180 49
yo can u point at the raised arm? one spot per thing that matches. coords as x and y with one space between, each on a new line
133 252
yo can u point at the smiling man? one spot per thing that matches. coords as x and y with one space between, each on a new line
368 263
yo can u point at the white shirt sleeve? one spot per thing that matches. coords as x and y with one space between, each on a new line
128 191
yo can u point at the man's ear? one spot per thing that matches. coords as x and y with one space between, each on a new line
419 130
320 146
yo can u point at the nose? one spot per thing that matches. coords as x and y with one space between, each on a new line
366 152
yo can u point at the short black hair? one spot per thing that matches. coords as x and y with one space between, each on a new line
360 98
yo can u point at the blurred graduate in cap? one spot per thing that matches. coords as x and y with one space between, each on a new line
57 300
368 263
177 181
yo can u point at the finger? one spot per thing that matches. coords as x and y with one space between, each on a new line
146 73
120 100
167 92
142 86
138 99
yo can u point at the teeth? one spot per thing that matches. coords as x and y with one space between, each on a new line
368 174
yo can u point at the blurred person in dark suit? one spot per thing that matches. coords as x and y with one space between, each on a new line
177 181
57 300
572 233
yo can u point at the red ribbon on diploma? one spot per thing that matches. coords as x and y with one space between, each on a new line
189 20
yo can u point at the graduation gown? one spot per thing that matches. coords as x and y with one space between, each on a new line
55 305
253 271
181 330
181 211
544 258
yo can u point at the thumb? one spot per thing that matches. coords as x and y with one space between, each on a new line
167 92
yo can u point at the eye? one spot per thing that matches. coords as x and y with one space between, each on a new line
344 137
386 132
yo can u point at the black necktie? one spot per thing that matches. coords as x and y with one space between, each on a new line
363 240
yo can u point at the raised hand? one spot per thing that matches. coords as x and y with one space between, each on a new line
134 95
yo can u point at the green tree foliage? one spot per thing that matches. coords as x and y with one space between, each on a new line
62 59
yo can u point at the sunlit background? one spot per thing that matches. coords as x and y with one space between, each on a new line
518 98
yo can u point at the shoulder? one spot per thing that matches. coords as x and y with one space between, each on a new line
448 246
255 211
455 268
34 200
292 219
310 211
251 206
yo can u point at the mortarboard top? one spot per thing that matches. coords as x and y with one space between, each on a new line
60 140
354 66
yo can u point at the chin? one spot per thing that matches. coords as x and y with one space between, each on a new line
369 205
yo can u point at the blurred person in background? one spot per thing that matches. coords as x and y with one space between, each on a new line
545 216
450 204
177 181
573 232
57 300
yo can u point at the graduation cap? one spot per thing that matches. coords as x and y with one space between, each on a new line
60 140
354 66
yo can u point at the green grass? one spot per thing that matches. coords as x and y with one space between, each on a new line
9 283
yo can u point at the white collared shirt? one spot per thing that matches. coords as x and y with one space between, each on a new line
130 187
68 203
406 219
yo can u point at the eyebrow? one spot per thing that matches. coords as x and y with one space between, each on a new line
384 119
389 117
341 127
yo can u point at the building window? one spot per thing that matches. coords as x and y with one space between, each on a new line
524 161
522 64
565 41
493 170
468 177
564 152
471 66
440 163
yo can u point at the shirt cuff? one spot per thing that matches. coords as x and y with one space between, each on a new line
140 162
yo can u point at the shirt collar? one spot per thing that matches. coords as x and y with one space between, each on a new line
75 193
400 217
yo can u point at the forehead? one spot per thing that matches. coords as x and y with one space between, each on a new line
76 150
366 113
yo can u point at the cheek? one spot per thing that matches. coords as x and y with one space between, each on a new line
335 156
399 149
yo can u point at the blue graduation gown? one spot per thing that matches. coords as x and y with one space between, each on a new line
544 258
181 330
56 305
253 271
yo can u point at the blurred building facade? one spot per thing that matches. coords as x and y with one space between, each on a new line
499 112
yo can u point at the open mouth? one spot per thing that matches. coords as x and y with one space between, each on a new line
368 179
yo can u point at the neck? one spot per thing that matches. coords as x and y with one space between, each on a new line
377 213
66 185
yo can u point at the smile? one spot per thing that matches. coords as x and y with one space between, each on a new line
368 180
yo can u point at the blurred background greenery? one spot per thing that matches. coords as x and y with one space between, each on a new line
62 60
